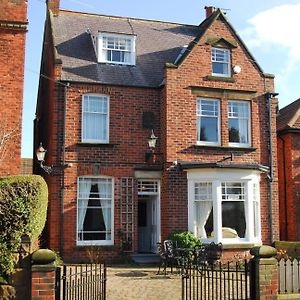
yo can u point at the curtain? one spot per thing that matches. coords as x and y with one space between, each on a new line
84 192
203 209
104 189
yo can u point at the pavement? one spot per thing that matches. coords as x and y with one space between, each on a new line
132 282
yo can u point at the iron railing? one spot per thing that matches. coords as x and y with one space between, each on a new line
221 281
81 282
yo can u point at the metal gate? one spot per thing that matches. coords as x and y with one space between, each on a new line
220 282
81 282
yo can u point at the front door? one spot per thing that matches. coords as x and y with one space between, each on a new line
147 223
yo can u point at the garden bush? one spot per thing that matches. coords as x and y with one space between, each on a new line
184 239
23 209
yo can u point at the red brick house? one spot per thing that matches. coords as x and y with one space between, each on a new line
108 84
288 141
13 27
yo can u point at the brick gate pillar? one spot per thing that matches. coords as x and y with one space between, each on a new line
43 275
264 273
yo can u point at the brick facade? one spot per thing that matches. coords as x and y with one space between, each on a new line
13 18
174 109
289 188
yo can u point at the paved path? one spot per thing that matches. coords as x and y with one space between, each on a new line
141 283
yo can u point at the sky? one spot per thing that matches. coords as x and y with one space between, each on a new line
270 29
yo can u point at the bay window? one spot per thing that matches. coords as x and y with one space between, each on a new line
95 211
224 206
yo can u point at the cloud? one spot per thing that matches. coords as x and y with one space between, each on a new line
276 32
278 26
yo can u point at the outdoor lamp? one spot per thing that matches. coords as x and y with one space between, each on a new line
152 141
40 154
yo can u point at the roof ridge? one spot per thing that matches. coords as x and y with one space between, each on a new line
125 18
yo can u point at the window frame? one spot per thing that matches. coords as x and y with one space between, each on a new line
95 242
102 51
250 178
199 115
215 61
238 144
83 134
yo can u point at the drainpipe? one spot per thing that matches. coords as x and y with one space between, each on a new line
270 96
285 188
62 193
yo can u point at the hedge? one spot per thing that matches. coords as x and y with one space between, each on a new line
23 209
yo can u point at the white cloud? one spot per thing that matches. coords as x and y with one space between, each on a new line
278 26
275 32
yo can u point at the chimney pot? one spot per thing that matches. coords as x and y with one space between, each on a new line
209 10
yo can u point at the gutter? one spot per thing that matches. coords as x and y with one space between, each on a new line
269 97
62 195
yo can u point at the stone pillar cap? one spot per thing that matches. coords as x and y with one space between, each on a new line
263 251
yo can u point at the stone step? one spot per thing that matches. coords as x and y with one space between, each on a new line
146 258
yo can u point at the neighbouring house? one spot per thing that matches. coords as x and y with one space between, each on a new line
288 143
13 27
109 85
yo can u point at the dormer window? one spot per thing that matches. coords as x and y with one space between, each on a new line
114 48
220 59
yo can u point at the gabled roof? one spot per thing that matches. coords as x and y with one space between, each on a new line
289 116
157 43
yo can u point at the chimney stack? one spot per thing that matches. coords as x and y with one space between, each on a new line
209 10
53 5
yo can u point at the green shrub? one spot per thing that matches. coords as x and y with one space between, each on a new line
23 209
184 239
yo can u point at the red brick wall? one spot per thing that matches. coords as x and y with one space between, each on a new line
289 185
180 118
174 108
12 48
13 10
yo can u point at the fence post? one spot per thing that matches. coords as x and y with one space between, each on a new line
43 275
264 273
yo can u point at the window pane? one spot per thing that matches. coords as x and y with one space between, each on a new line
208 121
233 219
220 61
95 118
233 191
208 130
238 122
94 209
204 219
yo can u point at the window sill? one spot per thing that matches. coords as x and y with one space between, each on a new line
101 145
95 247
226 148
220 78
241 245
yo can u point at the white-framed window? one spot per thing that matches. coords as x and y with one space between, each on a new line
116 48
95 213
224 206
208 121
220 59
95 118
239 123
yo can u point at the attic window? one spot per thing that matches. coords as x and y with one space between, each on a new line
115 48
220 59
